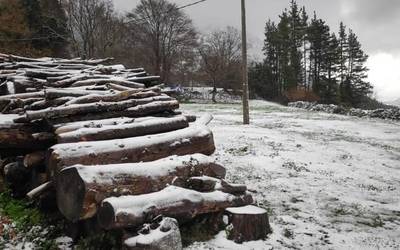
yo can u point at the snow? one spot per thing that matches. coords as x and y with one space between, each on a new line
327 181
137 205
10 88
178 137
134 124
7 118
250 209
102 173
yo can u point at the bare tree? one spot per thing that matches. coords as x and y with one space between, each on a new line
220 59
87 20
163 33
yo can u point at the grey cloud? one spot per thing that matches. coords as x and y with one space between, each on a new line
376 22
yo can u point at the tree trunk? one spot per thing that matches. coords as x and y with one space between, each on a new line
179 203
247 223
35 159
195 139
122 96
81 188
151 108
152 126
79 109
209 184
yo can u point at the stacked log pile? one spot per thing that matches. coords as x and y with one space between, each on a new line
108 142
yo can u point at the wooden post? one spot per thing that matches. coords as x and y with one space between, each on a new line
245 98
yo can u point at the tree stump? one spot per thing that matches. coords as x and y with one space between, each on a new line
247 223
161 234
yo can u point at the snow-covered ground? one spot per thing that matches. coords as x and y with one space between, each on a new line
329 181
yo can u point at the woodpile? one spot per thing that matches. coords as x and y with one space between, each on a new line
110 144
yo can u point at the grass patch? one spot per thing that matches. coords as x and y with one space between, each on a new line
110 240
27 223
21 212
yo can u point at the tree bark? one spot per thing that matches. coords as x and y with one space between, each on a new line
152 126
179 203
122 96
247 223
194 139
81 188
209 184
35 159
166 104
79 109
121 81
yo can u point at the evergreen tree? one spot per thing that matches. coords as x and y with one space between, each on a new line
330 66
296 35
343 52
299 52
304 28
357 71
271 62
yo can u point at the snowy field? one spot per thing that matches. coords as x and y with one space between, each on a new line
328 181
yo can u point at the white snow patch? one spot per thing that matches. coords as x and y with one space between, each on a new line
250 209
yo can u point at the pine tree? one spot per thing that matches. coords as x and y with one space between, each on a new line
296 34
357 71
304 28
343 57
271 62
318 36
330 66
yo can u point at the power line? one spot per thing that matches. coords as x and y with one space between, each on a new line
191 4
168 11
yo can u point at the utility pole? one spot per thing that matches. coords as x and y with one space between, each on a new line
245 78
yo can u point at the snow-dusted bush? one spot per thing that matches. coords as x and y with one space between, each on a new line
390 113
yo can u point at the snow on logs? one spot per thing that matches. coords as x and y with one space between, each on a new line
150 126
119 135
179 203
162 233
81 188
196 138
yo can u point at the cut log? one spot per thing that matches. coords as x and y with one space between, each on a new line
179 203
118 87
43 104
81 188
57 93
247 223
121 96
151 126
33 194
209 184
163 235
116 80
191 140
35 159
87 108
69 127
5 100
17 178
24 139
152 108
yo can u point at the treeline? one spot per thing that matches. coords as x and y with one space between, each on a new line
33 28
304 60
156 35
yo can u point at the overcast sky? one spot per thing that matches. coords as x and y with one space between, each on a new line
376 22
